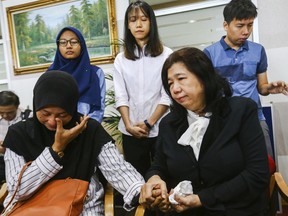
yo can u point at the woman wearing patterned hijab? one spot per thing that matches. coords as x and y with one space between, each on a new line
72 56
62 143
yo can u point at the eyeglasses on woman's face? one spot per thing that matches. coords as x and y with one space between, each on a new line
72 42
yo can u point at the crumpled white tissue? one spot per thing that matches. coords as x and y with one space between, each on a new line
184 188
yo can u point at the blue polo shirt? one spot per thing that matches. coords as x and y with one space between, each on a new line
240 67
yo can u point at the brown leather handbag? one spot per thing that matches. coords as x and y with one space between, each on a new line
64 197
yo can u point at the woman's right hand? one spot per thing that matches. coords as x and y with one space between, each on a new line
154 193
64 136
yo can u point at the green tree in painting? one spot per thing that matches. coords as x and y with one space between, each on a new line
40 29
102 16
33 33
22 29
36 40
94 21
74 18
87 16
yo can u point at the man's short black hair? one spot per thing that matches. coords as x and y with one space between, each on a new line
239 9
9 98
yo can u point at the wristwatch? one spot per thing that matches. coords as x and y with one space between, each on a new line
59 153
147 124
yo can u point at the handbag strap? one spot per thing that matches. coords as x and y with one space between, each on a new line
18 183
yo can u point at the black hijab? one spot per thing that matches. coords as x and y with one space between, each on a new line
29 138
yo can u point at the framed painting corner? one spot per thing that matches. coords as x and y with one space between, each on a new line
34 26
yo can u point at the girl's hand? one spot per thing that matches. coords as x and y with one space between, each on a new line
143 126
64 136
137 132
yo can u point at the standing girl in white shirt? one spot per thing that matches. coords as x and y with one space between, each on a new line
140 97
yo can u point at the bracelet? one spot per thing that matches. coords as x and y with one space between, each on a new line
147 124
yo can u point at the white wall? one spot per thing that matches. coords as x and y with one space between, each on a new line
273 34
23 84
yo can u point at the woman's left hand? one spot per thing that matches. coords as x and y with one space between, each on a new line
186 202
64 136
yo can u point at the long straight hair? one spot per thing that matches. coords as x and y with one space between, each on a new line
154 45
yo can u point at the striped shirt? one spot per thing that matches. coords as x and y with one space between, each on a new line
119 173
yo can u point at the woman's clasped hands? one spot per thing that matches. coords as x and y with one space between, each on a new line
154 195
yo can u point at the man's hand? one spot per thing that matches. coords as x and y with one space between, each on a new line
278 87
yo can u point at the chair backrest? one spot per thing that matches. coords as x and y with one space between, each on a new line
109 200
109 203
140 211
277 185
3 192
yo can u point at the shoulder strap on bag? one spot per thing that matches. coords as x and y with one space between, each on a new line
18 184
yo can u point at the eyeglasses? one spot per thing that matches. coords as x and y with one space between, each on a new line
73 42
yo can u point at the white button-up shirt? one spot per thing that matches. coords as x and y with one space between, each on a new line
4 124
138 85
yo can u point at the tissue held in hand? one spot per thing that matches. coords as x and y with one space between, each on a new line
184 188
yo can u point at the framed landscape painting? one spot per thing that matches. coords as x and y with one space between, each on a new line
33 28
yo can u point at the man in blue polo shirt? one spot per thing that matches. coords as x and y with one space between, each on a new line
244 63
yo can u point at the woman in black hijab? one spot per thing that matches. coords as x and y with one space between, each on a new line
62 143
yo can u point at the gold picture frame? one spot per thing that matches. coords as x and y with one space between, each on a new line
33 28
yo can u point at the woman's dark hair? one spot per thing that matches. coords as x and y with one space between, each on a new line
239 9
154 46
196 61
8 98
